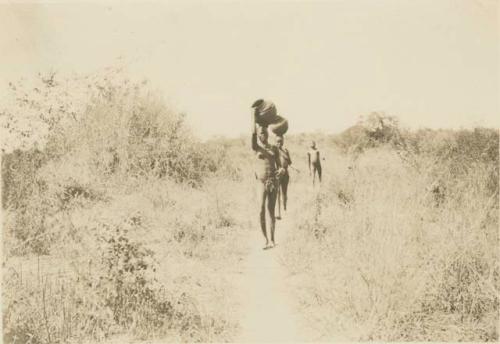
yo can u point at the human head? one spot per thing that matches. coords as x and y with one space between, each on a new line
313 144
263 135
279 141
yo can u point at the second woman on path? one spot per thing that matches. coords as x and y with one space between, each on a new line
284 179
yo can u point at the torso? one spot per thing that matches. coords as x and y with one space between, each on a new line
314 154
266 162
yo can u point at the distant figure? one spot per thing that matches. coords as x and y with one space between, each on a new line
268 171
314 160
285 161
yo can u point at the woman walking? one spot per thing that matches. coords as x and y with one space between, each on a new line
284 179
268 172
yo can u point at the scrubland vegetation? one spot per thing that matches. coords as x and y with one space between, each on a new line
401 241
120 224
118 221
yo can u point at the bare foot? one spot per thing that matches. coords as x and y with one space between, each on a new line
278 217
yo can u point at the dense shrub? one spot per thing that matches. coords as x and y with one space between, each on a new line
118 292
19 176
371 131
91 142
113 132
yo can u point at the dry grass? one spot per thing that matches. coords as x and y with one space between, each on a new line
125 225
378 254
169 249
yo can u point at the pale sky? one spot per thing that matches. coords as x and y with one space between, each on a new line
432 63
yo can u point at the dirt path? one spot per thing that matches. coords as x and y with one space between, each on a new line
267 313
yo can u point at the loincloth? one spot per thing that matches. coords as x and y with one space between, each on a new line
271 183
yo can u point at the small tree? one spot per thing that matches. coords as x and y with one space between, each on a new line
371 131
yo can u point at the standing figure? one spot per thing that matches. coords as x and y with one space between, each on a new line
285 161
268 172
314 160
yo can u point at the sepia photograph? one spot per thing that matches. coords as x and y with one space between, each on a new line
238 171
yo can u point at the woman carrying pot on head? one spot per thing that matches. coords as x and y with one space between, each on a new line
268 172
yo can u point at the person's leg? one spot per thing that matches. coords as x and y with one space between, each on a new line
262 214
319 172
284 188
271 203
314 173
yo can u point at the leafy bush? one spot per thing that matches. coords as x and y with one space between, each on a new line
114 132
371 131
117 293
91 141
19 176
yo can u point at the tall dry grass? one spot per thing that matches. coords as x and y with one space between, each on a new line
400 245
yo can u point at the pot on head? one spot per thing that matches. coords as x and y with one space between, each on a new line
267 116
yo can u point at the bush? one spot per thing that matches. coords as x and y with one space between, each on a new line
113 133
101 139
116 293
19 176
371 131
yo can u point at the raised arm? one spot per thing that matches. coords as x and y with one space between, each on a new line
255 145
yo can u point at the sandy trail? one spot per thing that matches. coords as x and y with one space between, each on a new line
267 313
